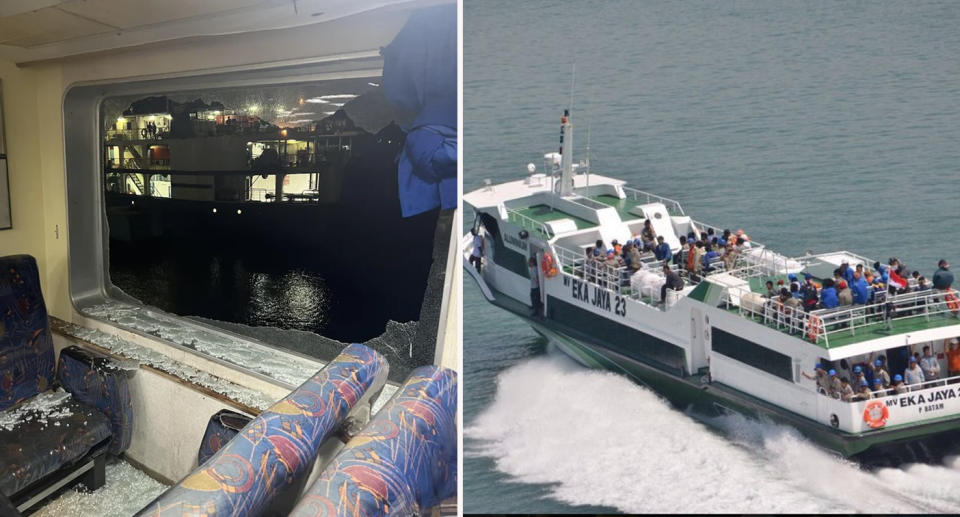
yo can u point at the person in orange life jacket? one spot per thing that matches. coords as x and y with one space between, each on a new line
953 357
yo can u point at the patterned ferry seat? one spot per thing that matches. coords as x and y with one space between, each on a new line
402 463
47 435
273 453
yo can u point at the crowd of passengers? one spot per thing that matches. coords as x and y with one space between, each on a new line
877 378
855 285
698 255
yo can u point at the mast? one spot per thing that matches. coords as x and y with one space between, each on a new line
566 154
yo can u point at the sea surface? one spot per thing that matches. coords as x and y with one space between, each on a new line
811 125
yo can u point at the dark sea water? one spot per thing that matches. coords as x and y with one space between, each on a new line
811 125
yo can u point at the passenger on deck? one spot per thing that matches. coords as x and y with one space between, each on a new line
794 281
863 393
821 376
913 374
730 256
476 256
648 235
613 261
898 386
828 295
662 251
859 375
929 365
880 373
859 289
699 252
673 281
922 284
809 293
708 257
846 392
879 390
953 358
771 291
635 262
791 303
844 294
846 272
617 248
943 278
678 258
836 385
599 245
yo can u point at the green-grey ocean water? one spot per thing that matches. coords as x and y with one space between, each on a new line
811 125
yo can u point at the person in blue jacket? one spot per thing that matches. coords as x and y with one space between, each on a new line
828 295
708 256
662 251
860 288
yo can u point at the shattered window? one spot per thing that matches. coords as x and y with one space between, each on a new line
271 212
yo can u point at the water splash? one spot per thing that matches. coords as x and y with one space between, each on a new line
597 438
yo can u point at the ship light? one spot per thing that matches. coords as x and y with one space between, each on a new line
239 211
214 210
253 108
283 132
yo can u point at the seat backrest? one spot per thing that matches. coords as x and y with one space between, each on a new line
26 348
402 463
278 447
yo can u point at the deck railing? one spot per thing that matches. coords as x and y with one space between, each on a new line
673 207
529 223
820 325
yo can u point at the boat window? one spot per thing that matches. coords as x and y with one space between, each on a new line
267 212
752 354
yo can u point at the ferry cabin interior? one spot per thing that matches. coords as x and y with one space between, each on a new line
172 391
721 330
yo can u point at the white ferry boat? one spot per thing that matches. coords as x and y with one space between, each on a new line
719 343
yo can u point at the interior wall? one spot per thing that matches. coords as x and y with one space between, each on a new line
23 136
33 105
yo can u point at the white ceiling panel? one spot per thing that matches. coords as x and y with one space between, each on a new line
46 25
128 14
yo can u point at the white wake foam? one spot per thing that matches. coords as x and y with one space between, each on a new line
597 438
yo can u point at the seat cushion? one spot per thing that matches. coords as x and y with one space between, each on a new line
26 348
40 436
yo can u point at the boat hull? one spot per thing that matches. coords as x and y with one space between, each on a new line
706 400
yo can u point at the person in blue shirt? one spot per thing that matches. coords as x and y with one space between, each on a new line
846 271
710 255
861 291
662 251
828 295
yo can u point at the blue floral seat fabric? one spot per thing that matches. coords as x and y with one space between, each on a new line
403 462
40 445
26 347
221 428
274 449
95 381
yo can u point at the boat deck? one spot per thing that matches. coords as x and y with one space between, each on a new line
623 206
546 214
872 330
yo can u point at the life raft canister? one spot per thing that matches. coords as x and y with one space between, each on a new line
953 303
876 414
547 266
814 328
